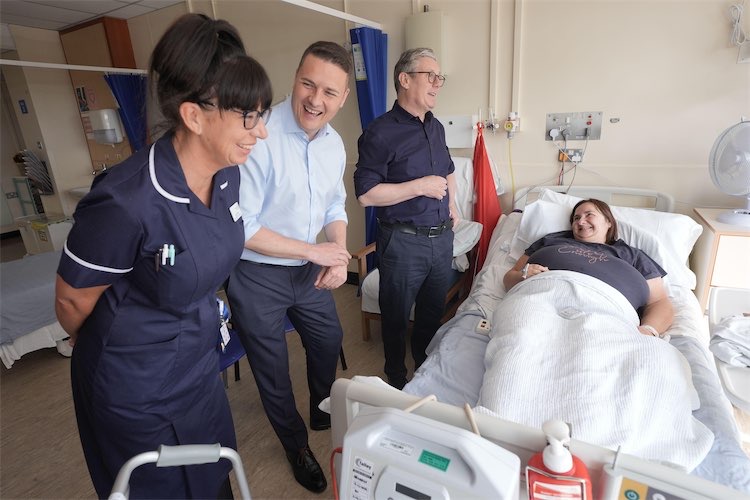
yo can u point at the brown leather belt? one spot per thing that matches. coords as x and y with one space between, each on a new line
429 231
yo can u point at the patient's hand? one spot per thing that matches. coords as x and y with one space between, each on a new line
535 269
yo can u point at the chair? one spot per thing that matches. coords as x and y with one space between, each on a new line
467 234
369 289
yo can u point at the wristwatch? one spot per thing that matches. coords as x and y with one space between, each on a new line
525 272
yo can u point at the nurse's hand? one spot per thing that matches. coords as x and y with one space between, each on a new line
330 278
329 254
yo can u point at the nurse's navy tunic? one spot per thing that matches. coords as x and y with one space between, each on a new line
145 364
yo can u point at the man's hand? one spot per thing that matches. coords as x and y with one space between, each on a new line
454 214
330 278
433 186
329 255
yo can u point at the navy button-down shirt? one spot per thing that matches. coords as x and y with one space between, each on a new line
398 147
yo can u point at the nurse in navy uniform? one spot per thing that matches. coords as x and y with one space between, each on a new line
152 242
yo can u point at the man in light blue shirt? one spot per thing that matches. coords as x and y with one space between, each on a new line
292 188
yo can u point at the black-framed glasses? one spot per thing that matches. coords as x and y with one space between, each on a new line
250 119
432 77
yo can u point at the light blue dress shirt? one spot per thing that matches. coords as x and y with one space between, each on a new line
291 185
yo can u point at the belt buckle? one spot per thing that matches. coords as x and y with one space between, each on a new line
435 231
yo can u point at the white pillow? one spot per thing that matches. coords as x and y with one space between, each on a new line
466 234
543 217
676 234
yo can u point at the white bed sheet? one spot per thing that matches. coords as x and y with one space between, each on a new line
454 369
27 318
47 336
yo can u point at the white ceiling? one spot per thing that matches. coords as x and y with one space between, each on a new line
60 14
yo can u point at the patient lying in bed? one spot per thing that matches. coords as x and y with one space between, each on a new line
592 247
565 344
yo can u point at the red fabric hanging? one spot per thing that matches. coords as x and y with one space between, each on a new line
486 205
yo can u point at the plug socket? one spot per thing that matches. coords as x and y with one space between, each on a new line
570 155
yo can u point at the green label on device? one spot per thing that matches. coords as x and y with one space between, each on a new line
434 460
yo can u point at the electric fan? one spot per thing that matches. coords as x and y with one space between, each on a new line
729 164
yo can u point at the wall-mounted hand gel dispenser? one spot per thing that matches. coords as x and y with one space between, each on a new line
105 126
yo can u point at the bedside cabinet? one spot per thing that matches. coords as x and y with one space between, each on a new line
721 256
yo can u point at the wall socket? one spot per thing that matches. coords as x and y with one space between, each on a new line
571 155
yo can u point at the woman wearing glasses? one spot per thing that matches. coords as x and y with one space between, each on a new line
405 170
152 242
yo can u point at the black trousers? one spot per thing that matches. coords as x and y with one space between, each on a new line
260 296
414 270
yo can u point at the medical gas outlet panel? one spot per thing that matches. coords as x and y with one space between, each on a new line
581 126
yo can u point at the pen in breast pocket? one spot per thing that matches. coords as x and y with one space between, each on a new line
165 254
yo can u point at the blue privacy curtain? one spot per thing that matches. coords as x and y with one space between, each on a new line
370 51
130 92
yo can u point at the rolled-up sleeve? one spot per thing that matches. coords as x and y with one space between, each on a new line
336 209
372 164
253 178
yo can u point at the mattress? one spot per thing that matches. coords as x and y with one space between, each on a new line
28 291
27 308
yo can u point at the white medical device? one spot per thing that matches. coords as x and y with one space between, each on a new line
619 483
392 454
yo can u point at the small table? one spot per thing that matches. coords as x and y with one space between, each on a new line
721 256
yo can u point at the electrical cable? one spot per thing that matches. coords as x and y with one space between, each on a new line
333 472
738 36
512 174
575 170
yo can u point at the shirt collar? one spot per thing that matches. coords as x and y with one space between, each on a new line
289 124
165 171
403 115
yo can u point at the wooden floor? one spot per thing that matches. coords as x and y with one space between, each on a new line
41 457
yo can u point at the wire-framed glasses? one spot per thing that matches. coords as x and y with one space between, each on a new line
432 77
249 118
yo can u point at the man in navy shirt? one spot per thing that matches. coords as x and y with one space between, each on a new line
405 170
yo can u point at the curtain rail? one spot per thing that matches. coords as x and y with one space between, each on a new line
76 67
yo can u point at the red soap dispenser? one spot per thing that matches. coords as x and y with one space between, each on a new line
555 472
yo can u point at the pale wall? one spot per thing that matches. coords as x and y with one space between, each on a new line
53 120
665 68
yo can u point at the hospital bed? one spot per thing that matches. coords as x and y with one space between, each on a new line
455 368
27 309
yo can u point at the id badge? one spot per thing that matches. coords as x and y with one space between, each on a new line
225 338
235 211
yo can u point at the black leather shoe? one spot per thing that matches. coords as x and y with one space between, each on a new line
321 424
307 470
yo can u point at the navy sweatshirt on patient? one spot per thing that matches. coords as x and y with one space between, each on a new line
619 265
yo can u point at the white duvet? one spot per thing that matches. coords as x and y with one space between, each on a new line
564 345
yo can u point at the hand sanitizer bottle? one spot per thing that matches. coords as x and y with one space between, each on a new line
555 472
